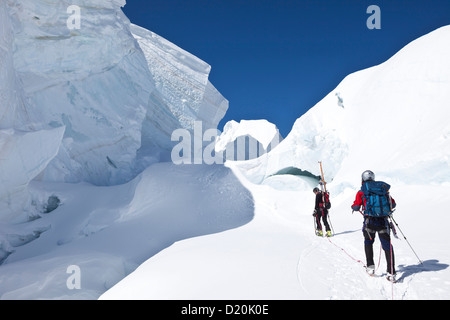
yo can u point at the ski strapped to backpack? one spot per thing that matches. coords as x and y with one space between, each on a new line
325 199
323 186
377 199
325 194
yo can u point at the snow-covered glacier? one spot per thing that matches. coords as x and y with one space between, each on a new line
247 139
392 119
369 120
98 105
118 89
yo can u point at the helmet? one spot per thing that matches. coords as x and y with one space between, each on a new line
316 190
368 176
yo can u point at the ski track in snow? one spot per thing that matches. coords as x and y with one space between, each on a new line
334 268
328 266
325 267
286 250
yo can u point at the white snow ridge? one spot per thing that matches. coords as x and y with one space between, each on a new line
92 207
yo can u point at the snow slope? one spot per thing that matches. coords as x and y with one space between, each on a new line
277 255
386 110
393 119
108 231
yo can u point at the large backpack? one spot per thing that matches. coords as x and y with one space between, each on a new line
377 198
326 197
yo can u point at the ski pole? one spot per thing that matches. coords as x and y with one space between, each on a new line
331 225
392 218
315 226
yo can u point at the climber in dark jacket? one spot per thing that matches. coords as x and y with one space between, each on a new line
320 212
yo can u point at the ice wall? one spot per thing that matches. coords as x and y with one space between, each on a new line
23 153
96 103
118 101
12 99
182 92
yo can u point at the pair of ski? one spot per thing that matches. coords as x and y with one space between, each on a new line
371 272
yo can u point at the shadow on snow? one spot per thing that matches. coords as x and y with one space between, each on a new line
427 266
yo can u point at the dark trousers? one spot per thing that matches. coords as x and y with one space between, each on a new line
372 226
322 214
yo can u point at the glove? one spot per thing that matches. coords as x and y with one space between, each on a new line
314 212
356 207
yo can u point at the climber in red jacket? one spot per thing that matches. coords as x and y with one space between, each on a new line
375 223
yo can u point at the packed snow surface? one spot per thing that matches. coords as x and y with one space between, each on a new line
109 231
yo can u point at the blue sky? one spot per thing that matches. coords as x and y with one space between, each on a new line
275 59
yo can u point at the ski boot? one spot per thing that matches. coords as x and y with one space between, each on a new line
370 270
391 278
